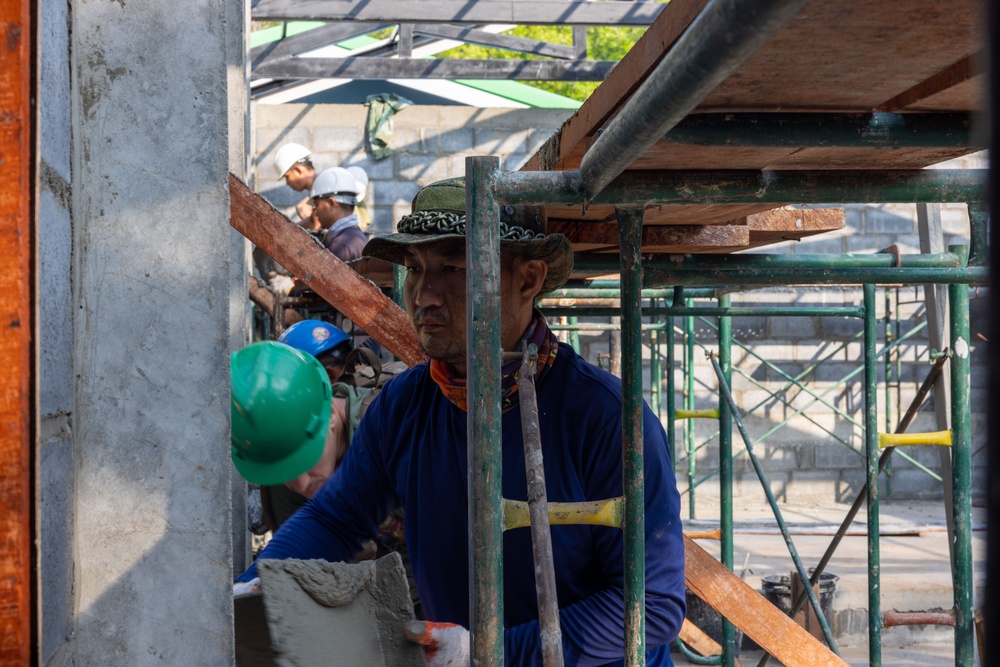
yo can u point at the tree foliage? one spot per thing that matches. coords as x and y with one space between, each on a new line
603 43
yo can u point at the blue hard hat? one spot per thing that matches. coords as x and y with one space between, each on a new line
313 336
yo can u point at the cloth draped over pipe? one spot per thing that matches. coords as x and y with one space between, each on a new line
381 109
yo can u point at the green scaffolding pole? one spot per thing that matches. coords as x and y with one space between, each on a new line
726 470
630 242
484 416
961 471
872 451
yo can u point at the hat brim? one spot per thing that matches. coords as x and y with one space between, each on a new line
284 470
554 249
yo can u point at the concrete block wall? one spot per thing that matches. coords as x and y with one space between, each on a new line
428 143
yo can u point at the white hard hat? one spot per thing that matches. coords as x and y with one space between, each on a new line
341 185
288 155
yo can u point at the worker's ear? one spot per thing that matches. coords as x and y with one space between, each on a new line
533 273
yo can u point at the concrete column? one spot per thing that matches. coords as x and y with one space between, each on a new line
152 288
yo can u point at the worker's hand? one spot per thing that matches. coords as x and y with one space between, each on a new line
246 587
305 210
444 644
281 284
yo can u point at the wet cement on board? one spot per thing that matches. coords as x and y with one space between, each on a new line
329 614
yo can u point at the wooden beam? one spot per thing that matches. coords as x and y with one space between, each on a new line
698 640
591 236
361 68
552 12
956 73
17 318
338 284
792 224
311 39
749 611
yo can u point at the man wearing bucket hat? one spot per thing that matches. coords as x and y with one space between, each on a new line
411 448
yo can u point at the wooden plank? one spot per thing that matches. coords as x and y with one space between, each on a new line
655 239
338 284
956 73
17 315
614 91
752 613
696 638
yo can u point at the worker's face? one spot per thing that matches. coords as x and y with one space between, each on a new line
434 292
435 289
327 211
300 177
310 482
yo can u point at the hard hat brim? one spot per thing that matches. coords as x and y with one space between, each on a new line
285 470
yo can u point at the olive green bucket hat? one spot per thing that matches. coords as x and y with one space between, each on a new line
439 213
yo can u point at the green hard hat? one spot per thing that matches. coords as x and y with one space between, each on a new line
280 410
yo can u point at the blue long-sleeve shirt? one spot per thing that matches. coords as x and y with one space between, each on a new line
410 450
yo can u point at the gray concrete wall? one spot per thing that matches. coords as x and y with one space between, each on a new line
55 306
152 253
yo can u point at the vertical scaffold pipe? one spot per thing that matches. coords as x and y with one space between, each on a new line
671 396
630 244
961 471
872 452
726 470
689 405
484 360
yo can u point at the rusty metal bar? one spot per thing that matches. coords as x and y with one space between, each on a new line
892 619
541 535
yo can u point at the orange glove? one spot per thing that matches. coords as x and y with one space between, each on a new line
444 644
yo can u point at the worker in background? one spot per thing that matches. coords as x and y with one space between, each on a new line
334 195
330 347
293 162
411 448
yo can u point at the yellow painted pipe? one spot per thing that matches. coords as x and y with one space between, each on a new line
712 413
939 438
591 513
703 534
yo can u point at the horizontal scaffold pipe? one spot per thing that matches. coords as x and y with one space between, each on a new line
828 186
708 311
704 56
944 260
781 277
831 130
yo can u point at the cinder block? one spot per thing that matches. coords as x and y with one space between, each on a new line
456 165
750 328
836 456
377 170
774 457
912 483
383 221
338 139
515 161
820 243
850 484
868 243
854 217
393 193
790 370
422 168
455 140
405 140
495 142
840 328
908 244
835 371
955 220
790 328
279 194
882 220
